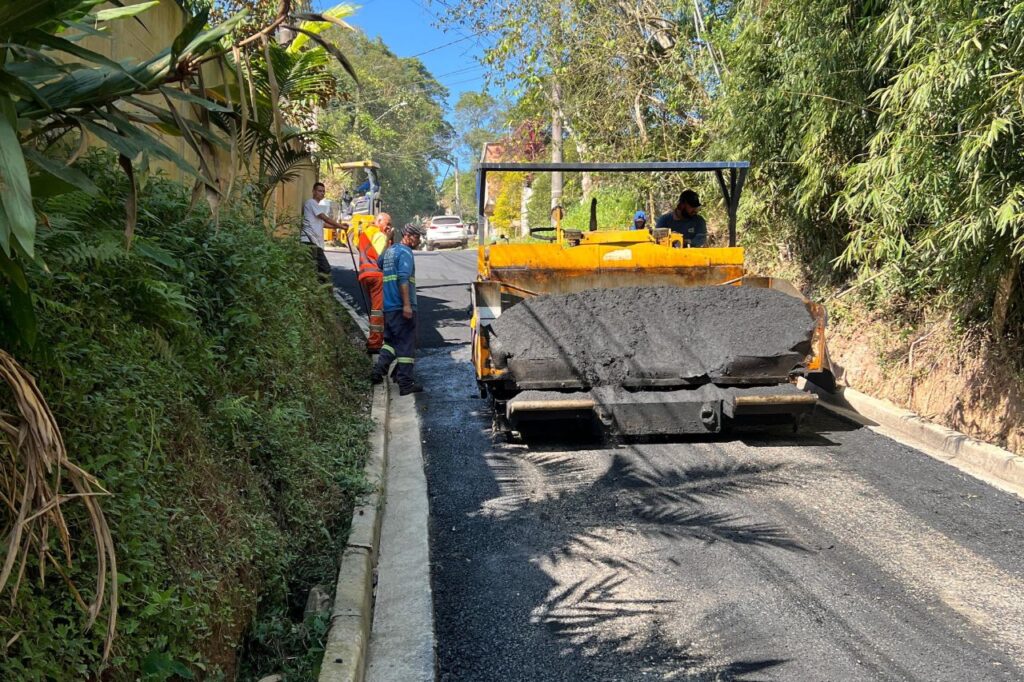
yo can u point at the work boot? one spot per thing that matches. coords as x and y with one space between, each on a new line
376 377
410 389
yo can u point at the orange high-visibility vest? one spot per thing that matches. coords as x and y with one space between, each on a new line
368 253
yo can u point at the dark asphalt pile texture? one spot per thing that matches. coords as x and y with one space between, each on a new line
636 336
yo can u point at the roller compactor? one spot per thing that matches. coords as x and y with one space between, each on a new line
634 329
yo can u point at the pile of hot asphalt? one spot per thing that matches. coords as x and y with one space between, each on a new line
652 336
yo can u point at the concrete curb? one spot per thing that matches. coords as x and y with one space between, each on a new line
348 639
382 623
988 462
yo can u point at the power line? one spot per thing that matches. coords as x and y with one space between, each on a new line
355 104
462 70
452 42
437 19
466 80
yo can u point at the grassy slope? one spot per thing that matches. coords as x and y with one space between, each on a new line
207 380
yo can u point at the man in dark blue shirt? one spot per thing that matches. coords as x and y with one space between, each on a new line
685 220
399 269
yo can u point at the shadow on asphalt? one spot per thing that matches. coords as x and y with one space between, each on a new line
534 573
584 431
434 314
562 616
489 568
500 615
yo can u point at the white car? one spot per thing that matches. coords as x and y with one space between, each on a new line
445 230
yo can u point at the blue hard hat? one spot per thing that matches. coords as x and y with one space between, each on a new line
640 215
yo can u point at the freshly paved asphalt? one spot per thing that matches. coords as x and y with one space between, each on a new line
835 554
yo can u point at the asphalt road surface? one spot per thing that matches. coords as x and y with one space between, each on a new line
834 554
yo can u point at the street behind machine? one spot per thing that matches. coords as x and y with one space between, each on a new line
634 329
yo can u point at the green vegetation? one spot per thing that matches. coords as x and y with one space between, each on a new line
193 366
478 118
396 117
206 379
60 96
467 195
55 90
884 136
894 129
615 209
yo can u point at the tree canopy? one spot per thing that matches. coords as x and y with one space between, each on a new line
883 135
479 118
395 115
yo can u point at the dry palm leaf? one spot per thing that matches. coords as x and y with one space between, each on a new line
35 472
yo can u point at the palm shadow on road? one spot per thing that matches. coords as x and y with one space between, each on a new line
530 513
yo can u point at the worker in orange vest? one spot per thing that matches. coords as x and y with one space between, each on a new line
372 242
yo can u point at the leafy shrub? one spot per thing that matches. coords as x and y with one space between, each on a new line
615 209
207 380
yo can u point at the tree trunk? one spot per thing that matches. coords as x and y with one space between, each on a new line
458 201
586 179
660 30
1004 296
524 207
556 142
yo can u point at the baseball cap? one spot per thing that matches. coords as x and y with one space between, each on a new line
640 215
689 197
413 228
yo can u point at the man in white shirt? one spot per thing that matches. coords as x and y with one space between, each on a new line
314 215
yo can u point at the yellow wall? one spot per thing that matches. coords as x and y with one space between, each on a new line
155 30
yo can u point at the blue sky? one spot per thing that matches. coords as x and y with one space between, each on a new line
409 28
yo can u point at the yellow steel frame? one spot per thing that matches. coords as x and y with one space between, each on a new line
607 259
358 221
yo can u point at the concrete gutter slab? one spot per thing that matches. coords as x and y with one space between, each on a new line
382 623
402 643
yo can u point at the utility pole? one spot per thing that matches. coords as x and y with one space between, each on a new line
458 202
554 59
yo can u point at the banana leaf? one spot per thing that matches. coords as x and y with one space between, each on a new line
17 217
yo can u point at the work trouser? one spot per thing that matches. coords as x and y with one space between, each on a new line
373 287
399 347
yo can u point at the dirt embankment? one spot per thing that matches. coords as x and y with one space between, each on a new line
960 381
636 336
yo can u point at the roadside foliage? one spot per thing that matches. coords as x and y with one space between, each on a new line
173 479
226 426
884 136
394 114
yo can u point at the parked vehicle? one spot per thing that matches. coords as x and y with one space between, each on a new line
445 230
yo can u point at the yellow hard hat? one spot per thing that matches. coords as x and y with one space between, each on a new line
382 220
